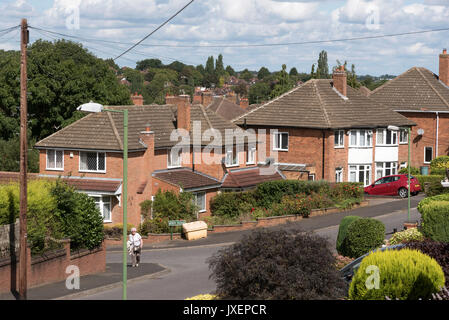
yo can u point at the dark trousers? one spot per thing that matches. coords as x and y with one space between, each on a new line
136 255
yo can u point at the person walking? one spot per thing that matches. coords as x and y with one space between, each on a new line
135 244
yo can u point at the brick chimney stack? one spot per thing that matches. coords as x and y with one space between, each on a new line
183 105
244 103
444 67
339 80
137 99
206 98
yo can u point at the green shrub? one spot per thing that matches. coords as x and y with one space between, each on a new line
145 208
363 235
169 204
293 205
271 192
403 274
435 187
232 204
80 219
439 165
343 230
277 265
406 236
435 220
346 190
116 230
413 171
155 225
425 201
42 224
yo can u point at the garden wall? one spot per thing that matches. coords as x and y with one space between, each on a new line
51 267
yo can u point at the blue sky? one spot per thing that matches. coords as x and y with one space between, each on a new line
209 22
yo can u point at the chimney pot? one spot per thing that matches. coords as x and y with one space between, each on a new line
339 80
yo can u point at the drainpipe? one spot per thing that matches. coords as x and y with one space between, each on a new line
324 145
438 124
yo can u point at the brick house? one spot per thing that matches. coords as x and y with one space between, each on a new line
90 153
328 130
423 97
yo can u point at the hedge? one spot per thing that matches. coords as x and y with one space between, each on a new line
363 235
439 165
435 187
402 274
435 220
343 230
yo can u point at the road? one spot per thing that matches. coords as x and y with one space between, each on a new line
189 272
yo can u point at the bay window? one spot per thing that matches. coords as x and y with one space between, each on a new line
360 138
385 169
360 173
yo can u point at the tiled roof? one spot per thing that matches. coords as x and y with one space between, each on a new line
248 177
104 130
317 104
186 178
225 108
84 184
416 89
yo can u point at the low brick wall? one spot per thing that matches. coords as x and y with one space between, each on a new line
51 267
245 225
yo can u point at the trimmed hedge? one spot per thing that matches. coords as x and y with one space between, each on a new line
403 274
232 204
362 236
435 187
435 220
439 165
343 230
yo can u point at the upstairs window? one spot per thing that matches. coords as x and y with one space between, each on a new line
281 141
174 157
232 158
386 137
403 136
339 138
55 160
93 161
360 138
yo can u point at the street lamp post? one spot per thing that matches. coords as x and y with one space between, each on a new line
95 107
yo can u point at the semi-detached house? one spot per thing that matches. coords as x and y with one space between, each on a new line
89 155
328 130
422 97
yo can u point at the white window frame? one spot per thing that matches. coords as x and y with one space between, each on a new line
203 207
393 167
425 154
170 162
101 204
384 137
94 171
368 136
367 169
339 175
405 133
233 156
277 143
403 165
55 168
340 136
311 175
251 151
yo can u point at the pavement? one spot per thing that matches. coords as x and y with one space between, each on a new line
324 225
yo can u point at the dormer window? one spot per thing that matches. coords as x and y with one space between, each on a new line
55 160
93 162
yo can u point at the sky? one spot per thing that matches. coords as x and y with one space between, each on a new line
248 22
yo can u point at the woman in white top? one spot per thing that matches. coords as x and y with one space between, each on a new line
136 243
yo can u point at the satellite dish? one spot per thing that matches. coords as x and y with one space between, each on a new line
420 132
90 107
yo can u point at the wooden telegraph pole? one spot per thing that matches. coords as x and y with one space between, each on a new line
23 162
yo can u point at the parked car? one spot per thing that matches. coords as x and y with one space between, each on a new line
394 185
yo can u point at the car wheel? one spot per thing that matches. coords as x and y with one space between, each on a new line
403 192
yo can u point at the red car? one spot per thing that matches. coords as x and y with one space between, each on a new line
394 185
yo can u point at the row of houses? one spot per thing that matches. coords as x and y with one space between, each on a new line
321 129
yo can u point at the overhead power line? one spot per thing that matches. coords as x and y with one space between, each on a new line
163 24
253 45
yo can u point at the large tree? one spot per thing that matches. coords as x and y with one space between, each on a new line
283 83
259 92
263 73
149 63
323 67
